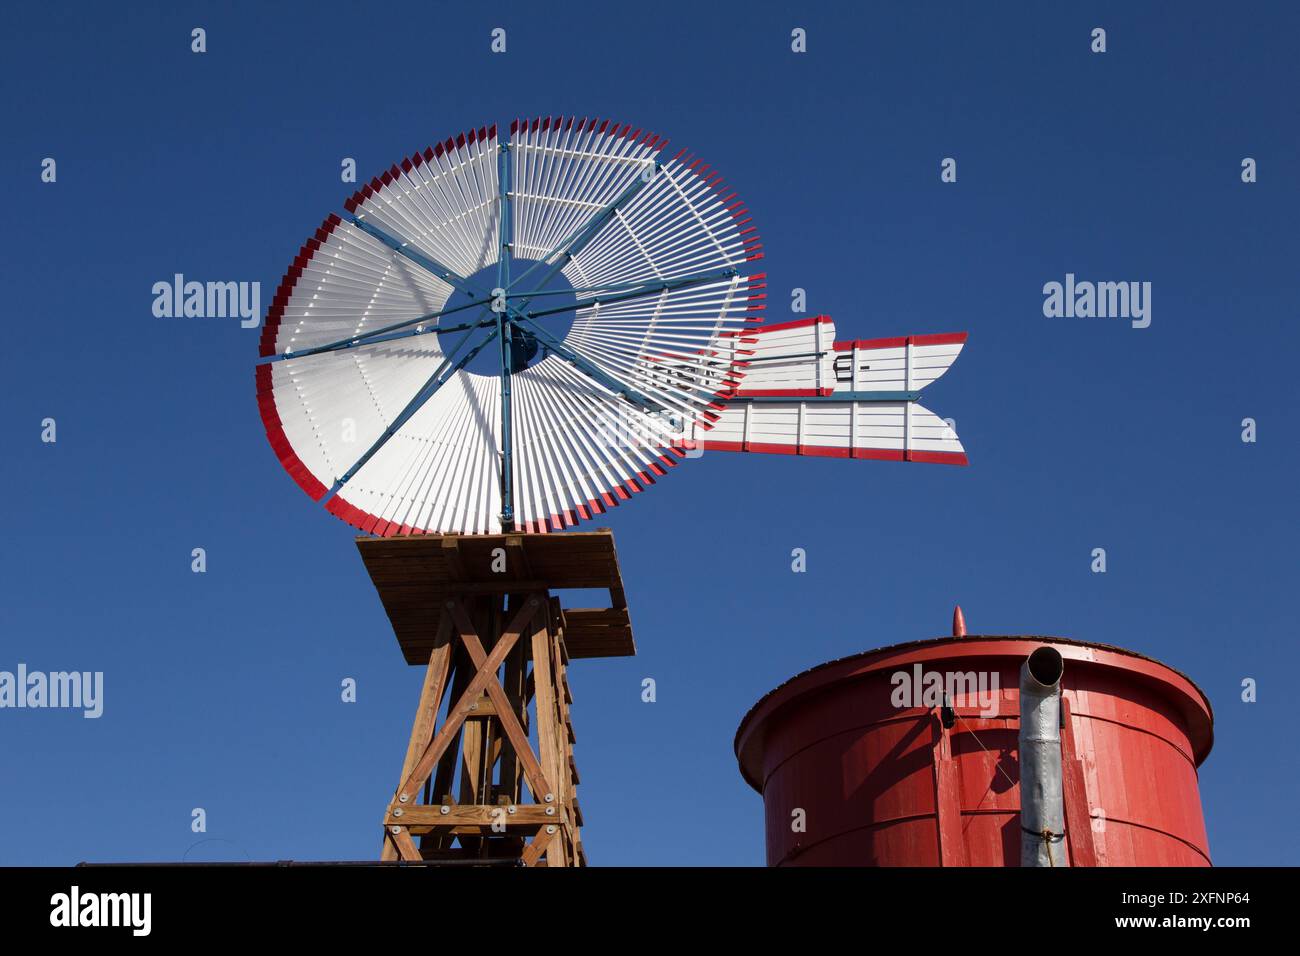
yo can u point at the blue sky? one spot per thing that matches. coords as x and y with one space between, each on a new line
222 689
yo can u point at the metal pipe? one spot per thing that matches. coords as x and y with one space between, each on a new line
1042 810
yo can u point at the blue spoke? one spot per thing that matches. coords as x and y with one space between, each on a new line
589 367
584 234
650 284
381 335
591 370
432 266
426 392
635 292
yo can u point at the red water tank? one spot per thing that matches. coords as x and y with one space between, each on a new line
863 761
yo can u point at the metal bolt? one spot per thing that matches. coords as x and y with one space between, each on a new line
551 828
549 798
394 830
398 812
550 811
403 798
473 706
510 809
444 809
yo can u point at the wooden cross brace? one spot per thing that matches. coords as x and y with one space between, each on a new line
551 815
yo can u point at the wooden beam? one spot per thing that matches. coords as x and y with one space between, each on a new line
533 853
480 815
474 737
440 781
548 729
1078 816
402 840
514 686
947 797
455 569
516 557
595 617
431 692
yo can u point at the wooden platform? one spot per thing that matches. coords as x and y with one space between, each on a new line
415 575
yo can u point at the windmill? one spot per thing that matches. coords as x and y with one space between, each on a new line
473 250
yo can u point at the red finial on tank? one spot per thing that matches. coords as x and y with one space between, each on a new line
958 622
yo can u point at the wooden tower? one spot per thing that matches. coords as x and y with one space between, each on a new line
489 773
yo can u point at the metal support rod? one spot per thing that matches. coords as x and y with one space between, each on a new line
504 333
913 396
783 358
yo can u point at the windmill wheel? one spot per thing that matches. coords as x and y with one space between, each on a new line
364 386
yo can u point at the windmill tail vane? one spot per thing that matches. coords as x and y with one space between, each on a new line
805 393
386 424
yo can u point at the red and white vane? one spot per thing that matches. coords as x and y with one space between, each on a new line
805 393
364 386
